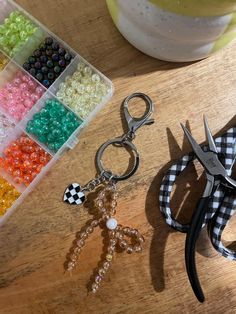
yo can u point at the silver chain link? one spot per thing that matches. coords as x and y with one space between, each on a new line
91 185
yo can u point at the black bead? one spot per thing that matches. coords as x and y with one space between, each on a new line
39 76
46 83
51 76
43 59
50 64
68 56
37 53
44 70
31 59
49 52
26 66
55 46
62 63
61 51
57 69
33 71
55 57
37 65
48 40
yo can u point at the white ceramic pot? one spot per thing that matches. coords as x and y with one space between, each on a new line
176 30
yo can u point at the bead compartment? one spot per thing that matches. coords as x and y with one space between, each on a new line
19 92
15 30
83 112
8 195
23 159
17 60
53 124
48 61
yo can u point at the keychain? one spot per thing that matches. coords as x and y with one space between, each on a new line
106 202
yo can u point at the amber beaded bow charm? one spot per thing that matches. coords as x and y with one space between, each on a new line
119 238
117 235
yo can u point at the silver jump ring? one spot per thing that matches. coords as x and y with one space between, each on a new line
107 173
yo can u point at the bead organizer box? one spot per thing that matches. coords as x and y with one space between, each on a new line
48 94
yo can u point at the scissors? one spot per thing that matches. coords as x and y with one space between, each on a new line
219 186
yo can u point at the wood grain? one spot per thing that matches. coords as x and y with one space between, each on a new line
37 237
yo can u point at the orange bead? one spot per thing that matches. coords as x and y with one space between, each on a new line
34 156
26 163
39 168
27 179
10 169
17 180
17 173
2 162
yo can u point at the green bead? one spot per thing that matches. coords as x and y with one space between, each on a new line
51 146
70 115
65 120
57 145
56 124
53 112
65 128
44 120
62 139
37 123
29 129
44 112
37 116
56 133
62 110
42 138
45 129
50 138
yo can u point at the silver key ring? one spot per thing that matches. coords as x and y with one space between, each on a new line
109 174
126 140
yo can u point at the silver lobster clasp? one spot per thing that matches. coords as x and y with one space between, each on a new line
135 123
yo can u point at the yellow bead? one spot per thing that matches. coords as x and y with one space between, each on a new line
8 195
3 61
109 257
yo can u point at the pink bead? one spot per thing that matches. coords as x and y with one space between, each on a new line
16 81
9 86
39 90
32 84
23 86
18 74
25 78
28 103
17 98
34 97
25 94
12 110
15 90
20 108
11 103
10 96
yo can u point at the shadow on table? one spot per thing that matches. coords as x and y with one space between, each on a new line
187 184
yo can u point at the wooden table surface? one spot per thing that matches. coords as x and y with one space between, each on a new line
37 237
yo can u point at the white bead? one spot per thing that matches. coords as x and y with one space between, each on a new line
111 223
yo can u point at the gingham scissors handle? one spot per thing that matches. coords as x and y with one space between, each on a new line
221 207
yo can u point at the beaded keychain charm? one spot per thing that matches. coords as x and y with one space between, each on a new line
106 201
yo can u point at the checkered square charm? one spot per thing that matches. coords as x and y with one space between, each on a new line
73 195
